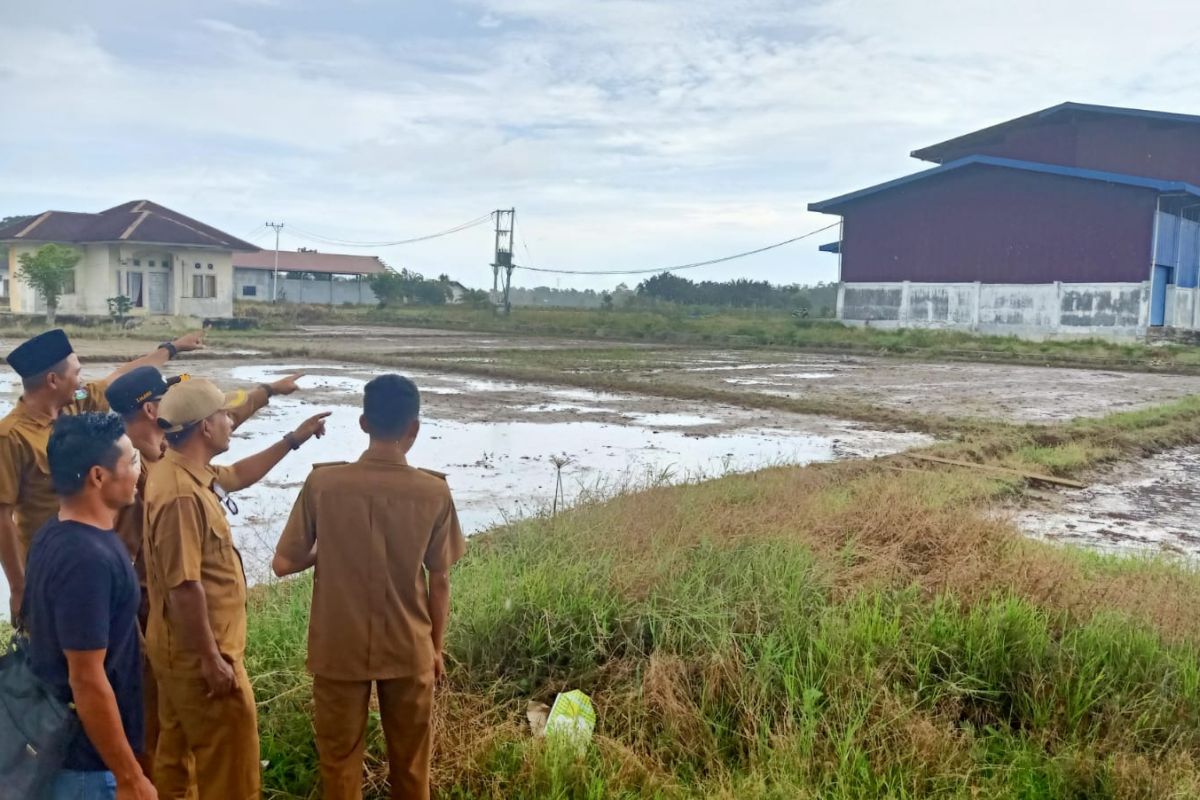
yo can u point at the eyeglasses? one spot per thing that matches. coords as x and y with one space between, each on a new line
225 498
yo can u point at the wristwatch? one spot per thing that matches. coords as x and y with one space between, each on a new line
291 440
266 387
171 349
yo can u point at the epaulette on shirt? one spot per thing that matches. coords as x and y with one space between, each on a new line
433 472
329 464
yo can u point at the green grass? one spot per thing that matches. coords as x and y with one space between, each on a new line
842 631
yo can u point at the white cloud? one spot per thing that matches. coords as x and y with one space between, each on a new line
626 133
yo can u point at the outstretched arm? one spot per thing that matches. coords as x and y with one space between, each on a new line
161 355
258 397
252 469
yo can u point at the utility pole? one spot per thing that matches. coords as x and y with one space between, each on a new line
278 226
506 221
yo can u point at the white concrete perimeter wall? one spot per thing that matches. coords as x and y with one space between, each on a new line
1036 311
1183 308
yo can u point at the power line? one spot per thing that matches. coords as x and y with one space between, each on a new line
357 243
693 265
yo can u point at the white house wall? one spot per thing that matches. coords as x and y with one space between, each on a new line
92 288
1051 310
186 304
338 292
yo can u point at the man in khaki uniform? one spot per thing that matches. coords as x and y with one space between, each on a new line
196 630
136 396
52 384
383 536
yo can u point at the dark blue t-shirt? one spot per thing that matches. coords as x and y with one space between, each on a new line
81 593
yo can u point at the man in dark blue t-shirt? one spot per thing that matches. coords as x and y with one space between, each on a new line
80 608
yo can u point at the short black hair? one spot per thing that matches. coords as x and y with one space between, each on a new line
177 438
35 382
390 403
78 443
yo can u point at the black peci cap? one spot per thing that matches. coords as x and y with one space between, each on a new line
141 385
40 353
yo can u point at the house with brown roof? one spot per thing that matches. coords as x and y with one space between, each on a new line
164 262
305 276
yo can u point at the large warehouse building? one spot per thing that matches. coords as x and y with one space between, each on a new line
1075 220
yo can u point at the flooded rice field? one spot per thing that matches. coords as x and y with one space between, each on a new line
496 440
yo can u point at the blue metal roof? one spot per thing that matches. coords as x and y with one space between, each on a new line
933 151
1160 186
831 247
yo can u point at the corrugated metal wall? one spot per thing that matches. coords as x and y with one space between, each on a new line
1000 226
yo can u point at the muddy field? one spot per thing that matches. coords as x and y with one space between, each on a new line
993 391
1150 506
1010 392
498 439
1013 393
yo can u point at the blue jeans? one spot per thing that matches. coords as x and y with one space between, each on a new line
71 785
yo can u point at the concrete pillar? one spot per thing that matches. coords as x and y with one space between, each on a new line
1057 305
1144 310
905 311
841 299
975 311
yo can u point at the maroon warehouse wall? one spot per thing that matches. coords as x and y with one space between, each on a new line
1109 143
998 225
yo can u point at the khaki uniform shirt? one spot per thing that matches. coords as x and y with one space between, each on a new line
187 538
380 524
131 518
24 466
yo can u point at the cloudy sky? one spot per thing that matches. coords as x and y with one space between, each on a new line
627 134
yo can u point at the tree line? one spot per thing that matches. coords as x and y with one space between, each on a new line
819 300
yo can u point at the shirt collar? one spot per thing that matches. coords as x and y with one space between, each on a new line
26 413
369 457
202 473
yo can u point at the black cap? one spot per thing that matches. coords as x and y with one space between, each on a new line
40 353
140 385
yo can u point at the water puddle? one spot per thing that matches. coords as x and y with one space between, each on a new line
671 420
1147 506
804 376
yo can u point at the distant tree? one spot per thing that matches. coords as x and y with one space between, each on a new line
50 272
15 218
476 298
669 287
119 308
399 288
389 288
606 301
428 293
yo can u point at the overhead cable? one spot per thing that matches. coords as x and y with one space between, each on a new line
692 265
358 243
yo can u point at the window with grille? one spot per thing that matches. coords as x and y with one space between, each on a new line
68 284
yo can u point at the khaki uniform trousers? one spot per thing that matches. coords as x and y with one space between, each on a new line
406 715
220 735
177 763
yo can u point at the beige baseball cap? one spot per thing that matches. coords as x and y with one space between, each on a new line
192 401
